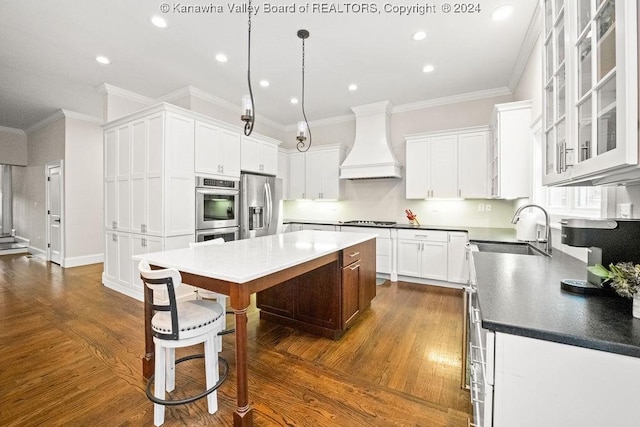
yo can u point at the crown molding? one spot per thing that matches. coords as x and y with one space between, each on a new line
61 114
79 116
199 93
323 122
526 49
107 89
13 131
454 99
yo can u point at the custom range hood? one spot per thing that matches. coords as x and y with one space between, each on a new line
371 156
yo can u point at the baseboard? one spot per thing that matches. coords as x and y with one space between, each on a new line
133 293
38 253
83 260
433 282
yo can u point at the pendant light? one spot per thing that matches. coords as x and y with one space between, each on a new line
248 109
303 126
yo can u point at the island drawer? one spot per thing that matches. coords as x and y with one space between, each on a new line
352 254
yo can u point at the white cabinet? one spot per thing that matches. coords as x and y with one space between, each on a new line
283 172
423 254
149 188
117 185
259 155
457 257
472 165
315 174
146 175
448 164
510 150
117 258
590 101
543 383
217 151
322 172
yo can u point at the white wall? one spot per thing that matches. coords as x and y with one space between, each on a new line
46 144
385 199
83 186
13 147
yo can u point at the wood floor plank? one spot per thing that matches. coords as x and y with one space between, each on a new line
71 352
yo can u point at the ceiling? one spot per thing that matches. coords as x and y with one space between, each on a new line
48 50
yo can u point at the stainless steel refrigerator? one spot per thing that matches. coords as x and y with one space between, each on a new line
260 205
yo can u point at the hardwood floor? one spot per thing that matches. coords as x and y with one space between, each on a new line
70 355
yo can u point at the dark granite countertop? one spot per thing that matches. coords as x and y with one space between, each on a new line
521 295
475 233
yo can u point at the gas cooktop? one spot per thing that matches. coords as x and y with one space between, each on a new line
367 222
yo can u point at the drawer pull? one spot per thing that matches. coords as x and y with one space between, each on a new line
354 254
355 267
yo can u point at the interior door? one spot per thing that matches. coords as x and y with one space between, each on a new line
54 213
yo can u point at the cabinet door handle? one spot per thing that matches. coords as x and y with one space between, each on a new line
143 228
356 266
354 254
143 242
114 237
114 225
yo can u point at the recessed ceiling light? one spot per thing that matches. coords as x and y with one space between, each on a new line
353 87
419 35
264 83
159 21
103 60
221 57
294 100
428 68
502 12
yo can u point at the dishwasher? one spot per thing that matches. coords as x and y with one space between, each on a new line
478 349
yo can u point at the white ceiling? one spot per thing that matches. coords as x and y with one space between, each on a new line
48 50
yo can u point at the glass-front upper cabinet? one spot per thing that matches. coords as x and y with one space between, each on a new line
591 89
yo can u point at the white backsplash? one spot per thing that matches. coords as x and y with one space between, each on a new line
383 200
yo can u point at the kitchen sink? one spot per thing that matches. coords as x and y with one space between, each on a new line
508 248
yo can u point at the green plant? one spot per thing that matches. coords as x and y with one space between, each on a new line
623 277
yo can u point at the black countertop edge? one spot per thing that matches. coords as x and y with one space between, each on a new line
489 234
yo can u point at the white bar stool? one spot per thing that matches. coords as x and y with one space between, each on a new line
177 325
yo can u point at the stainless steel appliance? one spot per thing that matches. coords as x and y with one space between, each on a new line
217 212
260 205
226 233
368 222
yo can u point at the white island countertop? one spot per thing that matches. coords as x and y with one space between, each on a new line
241 261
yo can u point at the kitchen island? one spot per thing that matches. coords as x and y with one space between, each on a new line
244 267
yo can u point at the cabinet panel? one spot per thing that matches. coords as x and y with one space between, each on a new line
417 181
434 260
472 165
443 166
457 261
350 293
409 258
278 299
313 174
319 305
258 156
217 151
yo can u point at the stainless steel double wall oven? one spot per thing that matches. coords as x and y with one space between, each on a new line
217 209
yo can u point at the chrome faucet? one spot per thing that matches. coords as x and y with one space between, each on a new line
547 229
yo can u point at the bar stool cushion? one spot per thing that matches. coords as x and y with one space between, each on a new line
193 316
